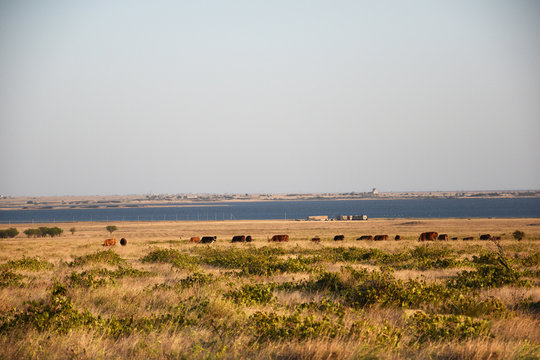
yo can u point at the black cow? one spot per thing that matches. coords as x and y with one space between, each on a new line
208 239
339 237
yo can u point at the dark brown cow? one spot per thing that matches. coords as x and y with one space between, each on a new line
454 238
248 238
428 236
238 238
398 237
316 239
468 238
496 238
280 238
380 237
208 239
109 242
123 242
195 239
485 237
339 237
442 237
365 237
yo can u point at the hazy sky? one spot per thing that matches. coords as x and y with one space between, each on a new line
122 97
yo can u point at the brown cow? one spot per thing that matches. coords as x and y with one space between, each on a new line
123 242
398 237
442 237
238 238
428 236
248 238
365 237
280 238
339 237
195 239
468 238
485 237
454 238
496 238
109 242
316 239
380 237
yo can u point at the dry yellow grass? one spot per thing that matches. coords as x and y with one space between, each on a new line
516 336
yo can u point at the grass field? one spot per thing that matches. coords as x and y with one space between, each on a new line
164 297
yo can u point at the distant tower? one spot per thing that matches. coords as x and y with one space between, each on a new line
375 191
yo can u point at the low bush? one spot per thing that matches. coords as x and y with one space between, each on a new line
171 256
252 294
487 276
31 264
9 278
101 257
435 327
8 233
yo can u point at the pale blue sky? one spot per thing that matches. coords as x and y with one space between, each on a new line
122 97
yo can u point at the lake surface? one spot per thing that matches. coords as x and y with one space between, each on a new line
267 210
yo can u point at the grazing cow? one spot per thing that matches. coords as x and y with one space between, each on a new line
109 242
380 237
316 239
428 236
339 237
195 239
398 237
208 239
279 238
443 237
365 237
123 242
496 238
454 238
468 238
248 238
238 238
485 237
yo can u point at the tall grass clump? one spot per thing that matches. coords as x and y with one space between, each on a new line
26 263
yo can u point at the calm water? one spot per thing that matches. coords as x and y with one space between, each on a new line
415 208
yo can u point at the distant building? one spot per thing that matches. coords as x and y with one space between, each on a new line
318 218
352 217
375 191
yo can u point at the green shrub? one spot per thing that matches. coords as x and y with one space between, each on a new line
32 264
86 280
252 294
171 256
270 326
8 233
474 307
435 327
9 278
196 278
518 235
487 276
103 257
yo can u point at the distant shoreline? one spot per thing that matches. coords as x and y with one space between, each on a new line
184 200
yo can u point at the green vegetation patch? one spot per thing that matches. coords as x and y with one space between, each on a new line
8 233
251 294
102 257
58 314
9 278
31 264
488 276
171 256
435 327
253 261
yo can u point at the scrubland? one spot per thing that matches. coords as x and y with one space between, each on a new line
166 298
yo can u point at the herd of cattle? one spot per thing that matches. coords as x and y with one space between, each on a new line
425 236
